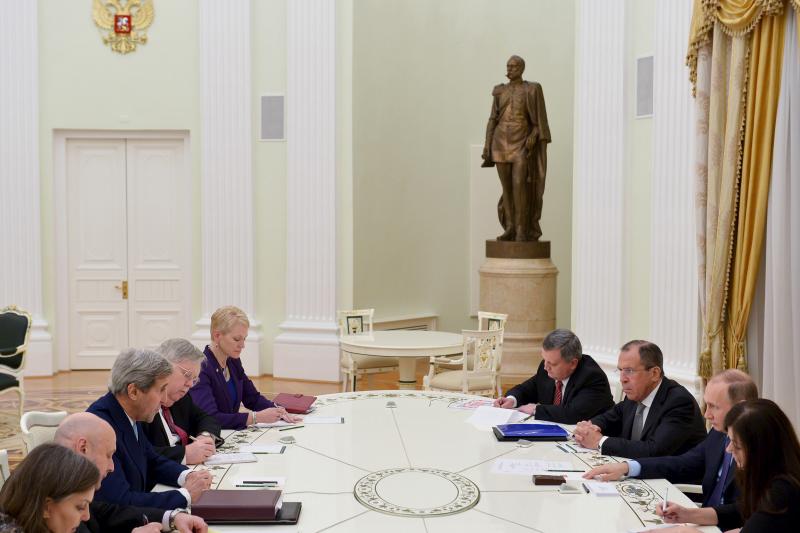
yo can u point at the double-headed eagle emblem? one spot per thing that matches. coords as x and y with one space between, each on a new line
125 20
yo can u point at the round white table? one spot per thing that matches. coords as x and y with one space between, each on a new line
406 345
408 462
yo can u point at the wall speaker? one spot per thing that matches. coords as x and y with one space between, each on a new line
644 87
273 118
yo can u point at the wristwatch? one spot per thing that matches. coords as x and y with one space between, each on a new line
173 514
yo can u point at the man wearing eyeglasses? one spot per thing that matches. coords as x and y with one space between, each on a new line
182 431
658 416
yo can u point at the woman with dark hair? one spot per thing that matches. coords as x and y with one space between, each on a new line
50 491
767 453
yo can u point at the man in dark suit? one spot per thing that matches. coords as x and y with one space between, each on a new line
179 419
92 437
138 385
658 416
567 387
707 461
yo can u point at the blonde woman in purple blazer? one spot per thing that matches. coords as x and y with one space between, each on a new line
223 386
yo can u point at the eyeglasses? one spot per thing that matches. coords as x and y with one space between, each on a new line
628 372
188 376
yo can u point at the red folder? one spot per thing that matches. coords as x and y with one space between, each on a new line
295 403
242 506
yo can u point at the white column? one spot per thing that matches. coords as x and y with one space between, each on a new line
308 346
597 266
673 286
20 199
226 168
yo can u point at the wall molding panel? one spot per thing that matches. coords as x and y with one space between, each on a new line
20 197
673 291
226 168
599 166
308 346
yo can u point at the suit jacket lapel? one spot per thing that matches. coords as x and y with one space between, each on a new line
654 412
628 412
574 380
128 437
218 385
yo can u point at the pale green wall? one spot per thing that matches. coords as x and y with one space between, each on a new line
638 175
423 72
84 85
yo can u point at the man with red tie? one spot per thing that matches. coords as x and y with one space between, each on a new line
568 386
182 431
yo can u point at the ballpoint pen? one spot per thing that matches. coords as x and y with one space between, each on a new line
664 503
563 470
293 427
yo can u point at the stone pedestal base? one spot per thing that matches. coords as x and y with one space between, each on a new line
525 289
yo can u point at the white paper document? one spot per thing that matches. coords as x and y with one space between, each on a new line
469 405
602 488
230 458
279 423
262 448
323 420
485 417
654 528
528 467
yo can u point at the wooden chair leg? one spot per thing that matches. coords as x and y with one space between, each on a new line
21 403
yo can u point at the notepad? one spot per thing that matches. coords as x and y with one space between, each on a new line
231 458
654 527
529 467
486 417
262 448
323 420
601 488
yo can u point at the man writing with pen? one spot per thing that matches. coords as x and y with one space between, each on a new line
181 431
568 386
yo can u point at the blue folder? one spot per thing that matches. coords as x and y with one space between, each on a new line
544 432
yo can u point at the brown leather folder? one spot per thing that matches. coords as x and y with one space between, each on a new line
295 403
238 506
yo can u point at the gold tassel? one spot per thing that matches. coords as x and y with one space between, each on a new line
705 369
741 361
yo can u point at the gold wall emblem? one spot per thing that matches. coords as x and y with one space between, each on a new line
125 21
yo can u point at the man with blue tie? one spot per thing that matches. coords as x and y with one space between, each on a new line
137 388
708 460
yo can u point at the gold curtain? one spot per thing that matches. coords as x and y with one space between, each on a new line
766 57
727 65
743 42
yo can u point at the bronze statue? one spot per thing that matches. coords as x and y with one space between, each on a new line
516 142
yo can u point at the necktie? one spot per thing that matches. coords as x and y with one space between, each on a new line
559 392
174 427
638 423
716 495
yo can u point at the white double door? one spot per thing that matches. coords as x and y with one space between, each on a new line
129 245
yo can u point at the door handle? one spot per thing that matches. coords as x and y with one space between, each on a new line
123 288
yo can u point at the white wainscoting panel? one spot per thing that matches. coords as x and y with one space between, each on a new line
308 345
226 168
673 291
598 285
21 270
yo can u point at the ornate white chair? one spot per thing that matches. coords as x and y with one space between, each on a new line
486 322
359 322
39 427
15 330
479 362
5 471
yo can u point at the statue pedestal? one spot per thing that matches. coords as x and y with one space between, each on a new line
518 278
